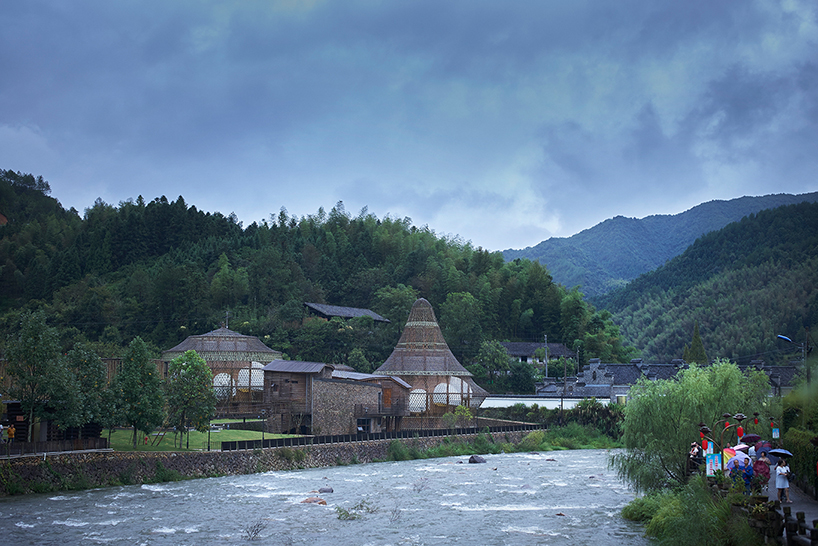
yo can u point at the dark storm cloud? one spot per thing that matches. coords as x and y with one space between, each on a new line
544 117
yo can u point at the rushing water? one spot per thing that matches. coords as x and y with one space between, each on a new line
564 497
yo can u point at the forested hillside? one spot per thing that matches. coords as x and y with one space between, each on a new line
744 285
618 250
164 270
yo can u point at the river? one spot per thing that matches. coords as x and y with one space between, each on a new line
553 498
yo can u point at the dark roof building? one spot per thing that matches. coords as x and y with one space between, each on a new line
613 381
328 311
524 350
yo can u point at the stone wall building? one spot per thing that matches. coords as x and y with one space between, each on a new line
314 398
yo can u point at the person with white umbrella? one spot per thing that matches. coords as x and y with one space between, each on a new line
782 480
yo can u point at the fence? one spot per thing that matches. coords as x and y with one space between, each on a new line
22 448
367 436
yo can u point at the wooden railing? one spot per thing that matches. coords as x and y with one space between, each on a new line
377 410
25 448
367 436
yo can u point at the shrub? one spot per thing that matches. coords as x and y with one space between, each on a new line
163 474
532 441
290 455
397 451
642 509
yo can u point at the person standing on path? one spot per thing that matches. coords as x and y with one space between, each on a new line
11 433
762 468
782 481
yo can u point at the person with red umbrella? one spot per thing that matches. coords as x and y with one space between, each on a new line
761 467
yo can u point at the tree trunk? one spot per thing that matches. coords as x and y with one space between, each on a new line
30 423
134 436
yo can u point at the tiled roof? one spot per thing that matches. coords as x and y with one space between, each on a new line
295 366
527 348
344 312
357 376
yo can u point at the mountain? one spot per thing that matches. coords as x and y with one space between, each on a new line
162 270
744 285
620 249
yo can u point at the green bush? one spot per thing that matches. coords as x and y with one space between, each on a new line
290 455
397 451
532 441
691 515
163 474
805 456
642 509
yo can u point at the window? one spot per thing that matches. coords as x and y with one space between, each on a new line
364 425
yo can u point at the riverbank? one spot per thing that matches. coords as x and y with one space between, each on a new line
87 470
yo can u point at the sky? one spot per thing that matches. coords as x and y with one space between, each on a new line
498 123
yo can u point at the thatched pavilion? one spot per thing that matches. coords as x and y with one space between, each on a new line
423 359
236 361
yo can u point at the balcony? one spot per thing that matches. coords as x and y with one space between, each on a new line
378 410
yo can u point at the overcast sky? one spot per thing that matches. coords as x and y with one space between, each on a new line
504 123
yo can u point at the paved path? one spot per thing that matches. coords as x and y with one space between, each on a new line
801 502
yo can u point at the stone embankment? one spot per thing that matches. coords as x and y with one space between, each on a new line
83 470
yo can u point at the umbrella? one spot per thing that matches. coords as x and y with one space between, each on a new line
766 449
740 447
735 460
780 452
750 439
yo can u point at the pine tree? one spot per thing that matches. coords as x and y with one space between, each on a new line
696 352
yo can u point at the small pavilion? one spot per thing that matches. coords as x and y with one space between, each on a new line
423 359
236 361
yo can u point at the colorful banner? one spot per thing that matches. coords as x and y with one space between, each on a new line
776 433
713 463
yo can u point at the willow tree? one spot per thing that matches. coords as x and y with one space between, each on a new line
190 397
662 419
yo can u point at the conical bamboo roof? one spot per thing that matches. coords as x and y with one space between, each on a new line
422 349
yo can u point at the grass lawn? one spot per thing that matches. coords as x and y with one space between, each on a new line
122 439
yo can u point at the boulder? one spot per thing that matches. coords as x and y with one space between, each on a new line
314 500
476 459
326 490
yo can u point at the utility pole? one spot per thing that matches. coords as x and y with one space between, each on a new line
546 357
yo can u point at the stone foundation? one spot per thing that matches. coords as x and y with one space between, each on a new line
83 470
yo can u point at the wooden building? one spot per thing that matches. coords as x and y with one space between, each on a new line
314 398
423 359
236 361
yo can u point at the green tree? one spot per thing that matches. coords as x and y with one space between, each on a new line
493 357
190 398
521 377
357 359
460 324
33 357
662 419
138 390
92 384
695 352
65 398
